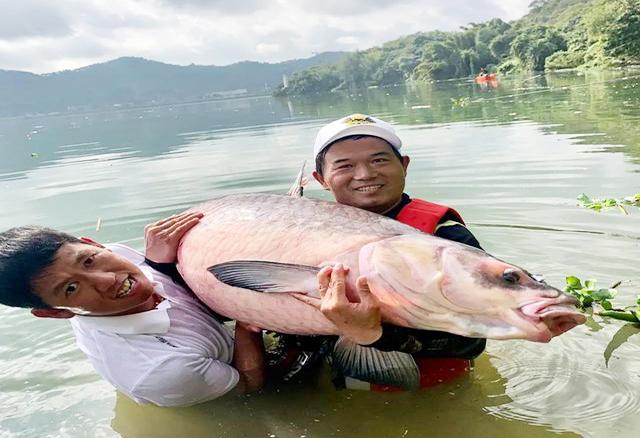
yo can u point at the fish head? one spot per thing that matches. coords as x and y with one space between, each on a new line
436 284
506 301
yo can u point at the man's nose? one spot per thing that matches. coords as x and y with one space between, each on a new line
364 171
104 281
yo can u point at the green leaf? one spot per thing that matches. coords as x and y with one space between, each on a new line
590 284
610 202
574 283
584 199
603 294
619 338
622 315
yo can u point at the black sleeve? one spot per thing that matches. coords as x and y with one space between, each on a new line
458 233
428 343
171 270
396 338
168 269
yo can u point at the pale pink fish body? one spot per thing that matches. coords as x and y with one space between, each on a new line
421 281
274 228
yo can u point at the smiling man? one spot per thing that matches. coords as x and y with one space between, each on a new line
358 160
132 315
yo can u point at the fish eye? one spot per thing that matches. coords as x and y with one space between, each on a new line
510 276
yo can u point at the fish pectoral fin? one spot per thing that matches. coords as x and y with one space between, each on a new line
369 364
268 277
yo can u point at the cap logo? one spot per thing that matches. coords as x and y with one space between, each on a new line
358 119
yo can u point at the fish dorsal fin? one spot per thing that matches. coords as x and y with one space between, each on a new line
372 365
297 188
265 276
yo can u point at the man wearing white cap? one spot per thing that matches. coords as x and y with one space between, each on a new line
358 160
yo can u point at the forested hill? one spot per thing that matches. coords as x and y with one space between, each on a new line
137 81
555 34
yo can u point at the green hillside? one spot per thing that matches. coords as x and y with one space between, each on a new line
130 81
555 34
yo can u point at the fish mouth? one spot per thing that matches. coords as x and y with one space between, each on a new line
550 317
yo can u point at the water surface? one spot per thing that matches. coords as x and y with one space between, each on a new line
511 159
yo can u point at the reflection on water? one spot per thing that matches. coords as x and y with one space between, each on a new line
511 159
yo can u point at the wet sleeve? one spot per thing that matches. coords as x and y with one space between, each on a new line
396 339
184 380
428 343
457 232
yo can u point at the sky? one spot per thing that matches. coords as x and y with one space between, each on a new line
44 36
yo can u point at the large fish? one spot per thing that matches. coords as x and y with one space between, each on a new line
261 247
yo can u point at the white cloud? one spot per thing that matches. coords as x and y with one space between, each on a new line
44 36
347 40
267 49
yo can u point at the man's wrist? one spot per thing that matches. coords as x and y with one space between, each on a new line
371 337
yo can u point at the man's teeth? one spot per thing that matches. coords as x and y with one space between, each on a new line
126 288
368 188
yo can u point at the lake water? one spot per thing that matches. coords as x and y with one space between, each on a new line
511 159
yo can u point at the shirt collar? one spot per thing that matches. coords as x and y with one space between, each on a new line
395 211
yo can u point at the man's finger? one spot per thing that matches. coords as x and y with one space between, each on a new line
364 292
323 280
312 301
163 221
337 285
179 228
174 217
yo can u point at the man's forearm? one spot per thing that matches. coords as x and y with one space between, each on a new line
248 359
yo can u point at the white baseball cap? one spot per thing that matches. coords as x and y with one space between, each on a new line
355 124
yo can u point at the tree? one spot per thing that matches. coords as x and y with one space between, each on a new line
534 44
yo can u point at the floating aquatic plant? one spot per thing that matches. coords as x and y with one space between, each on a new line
460 102
588 294
606 203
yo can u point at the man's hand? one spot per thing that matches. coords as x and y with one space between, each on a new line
358 321
163 237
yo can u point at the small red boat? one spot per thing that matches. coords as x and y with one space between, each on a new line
491 77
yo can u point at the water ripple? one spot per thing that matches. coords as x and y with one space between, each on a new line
565 385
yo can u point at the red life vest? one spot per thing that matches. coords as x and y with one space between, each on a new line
425 216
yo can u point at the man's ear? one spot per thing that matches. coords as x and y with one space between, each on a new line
52 313
91 242
405 162
320 179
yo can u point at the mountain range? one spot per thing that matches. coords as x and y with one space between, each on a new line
130 81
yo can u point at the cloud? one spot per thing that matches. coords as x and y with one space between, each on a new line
44 36
267 49
223 6
341 7
32 19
